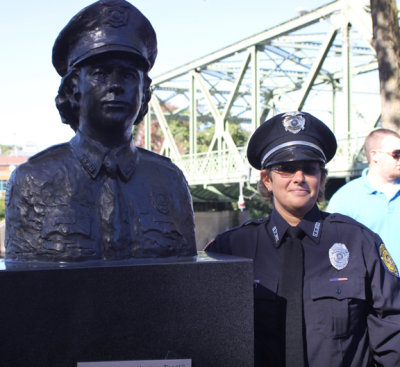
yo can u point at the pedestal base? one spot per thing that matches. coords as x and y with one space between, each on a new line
57 315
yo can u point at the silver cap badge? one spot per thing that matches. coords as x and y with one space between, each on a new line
293 121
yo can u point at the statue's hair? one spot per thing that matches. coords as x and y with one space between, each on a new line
68 106
268 196
374 140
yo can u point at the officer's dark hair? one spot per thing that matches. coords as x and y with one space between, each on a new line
68 106
268 196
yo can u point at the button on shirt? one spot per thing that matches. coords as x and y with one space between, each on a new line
361 201
352 315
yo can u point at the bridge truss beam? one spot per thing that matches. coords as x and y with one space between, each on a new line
321 62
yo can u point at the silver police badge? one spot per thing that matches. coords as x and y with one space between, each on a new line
293 121
339 256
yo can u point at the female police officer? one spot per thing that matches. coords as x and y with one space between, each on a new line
326 291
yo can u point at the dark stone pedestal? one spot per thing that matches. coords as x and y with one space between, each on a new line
199 308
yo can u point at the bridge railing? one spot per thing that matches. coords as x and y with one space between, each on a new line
224 166
349 159
227 166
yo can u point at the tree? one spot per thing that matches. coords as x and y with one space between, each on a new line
2 208
386 41
9 149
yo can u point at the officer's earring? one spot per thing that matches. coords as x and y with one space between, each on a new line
266 179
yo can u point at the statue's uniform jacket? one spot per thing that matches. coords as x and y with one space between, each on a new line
351 315
53 205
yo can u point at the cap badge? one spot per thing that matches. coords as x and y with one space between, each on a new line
387 260
293 121
339 256
116 15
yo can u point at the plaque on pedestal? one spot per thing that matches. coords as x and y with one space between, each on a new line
147 363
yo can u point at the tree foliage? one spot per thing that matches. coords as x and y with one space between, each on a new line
386 41
2 208
9 149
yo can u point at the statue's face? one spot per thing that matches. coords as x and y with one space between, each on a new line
109 92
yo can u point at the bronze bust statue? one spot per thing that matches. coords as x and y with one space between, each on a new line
98 196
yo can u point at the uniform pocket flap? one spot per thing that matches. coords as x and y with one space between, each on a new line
339 288
66 225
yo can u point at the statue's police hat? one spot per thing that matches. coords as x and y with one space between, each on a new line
105 26
291 136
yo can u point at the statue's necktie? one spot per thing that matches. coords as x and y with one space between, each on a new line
292 291
114 216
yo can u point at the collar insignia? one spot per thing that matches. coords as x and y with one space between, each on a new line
317 226
275 232
293 121
339 256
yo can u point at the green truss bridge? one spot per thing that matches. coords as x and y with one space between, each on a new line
321 62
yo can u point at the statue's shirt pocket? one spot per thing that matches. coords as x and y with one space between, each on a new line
66 222
159 223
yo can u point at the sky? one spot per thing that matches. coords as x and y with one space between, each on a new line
186 30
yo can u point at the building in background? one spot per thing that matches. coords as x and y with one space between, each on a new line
7 165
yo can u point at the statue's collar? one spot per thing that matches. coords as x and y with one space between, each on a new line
91 153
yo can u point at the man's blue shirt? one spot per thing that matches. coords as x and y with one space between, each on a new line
362 202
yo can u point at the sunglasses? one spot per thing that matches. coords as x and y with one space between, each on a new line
289 170
395 154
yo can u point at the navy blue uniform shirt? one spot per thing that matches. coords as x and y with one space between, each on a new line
351 293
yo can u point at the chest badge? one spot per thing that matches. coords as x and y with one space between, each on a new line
339 256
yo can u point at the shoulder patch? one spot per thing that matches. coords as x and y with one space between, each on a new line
387 260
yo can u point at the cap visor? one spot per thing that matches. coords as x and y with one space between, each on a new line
294 153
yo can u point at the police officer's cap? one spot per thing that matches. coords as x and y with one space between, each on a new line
291 136
105 26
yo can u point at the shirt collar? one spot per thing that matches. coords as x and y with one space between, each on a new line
370 188
311 224
91 153
368 185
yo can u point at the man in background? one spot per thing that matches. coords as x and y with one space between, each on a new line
374 198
